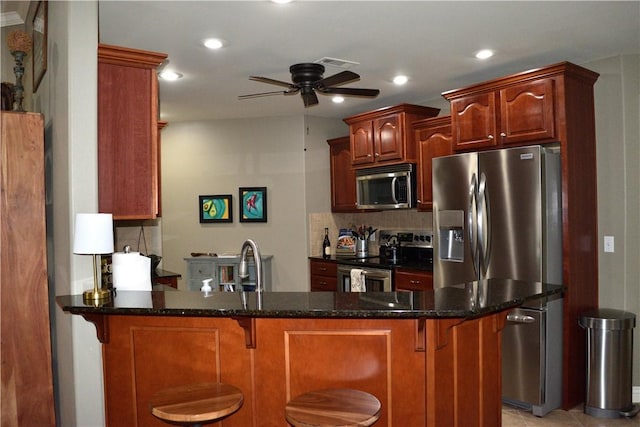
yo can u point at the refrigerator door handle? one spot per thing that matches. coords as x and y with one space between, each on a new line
483 224
472 222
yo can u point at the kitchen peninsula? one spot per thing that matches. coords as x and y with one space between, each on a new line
432 358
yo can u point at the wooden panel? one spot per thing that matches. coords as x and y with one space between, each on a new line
343 176
26 394
375 356
362 143
463 372
474 122
412 280
389 138
527 112
147 354
433 139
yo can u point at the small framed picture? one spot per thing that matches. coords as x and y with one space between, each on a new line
253 204
39 38
216 208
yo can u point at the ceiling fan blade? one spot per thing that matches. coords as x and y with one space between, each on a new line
350 91
309 98
258 95
338 79
270 81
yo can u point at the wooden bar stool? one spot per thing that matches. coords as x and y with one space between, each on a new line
196 404
333 407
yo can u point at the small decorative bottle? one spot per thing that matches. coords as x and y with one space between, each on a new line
326 244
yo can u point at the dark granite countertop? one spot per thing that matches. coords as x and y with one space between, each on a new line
467 300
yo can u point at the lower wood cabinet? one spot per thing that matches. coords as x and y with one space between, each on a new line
425 372
412 280
324 275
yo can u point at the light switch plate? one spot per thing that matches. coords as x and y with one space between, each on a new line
608 244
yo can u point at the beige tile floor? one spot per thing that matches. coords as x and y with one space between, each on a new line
514 417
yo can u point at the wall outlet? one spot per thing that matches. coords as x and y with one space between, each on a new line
608 244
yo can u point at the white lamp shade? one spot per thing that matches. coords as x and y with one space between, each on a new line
93 234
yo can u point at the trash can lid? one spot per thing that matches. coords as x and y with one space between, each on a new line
608 318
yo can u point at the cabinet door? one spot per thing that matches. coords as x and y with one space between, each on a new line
413 280
343 176
434 140
128 132
388 138
527 112
362 142
474 122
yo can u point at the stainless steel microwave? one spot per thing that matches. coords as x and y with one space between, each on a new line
386 187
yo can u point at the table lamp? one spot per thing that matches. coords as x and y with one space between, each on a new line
94 236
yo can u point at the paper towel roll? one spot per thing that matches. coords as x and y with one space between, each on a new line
131 271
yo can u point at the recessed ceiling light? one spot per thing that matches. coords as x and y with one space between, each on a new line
337 99
484 54
170 75
213 43
281 1
400 80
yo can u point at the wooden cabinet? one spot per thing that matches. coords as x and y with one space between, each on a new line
223 270
385 136
128 132
26 371
324 275
433 137
425 372
515 114
405 279
554 103
343 176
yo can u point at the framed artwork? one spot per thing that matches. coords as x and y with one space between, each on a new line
215 208
253 204
39 37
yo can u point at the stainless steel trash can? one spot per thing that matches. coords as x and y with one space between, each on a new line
609 363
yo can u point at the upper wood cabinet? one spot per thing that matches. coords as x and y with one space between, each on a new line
517 113
433 138
384 136
128 132
343 176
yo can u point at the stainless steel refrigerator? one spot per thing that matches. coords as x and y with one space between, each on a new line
498 215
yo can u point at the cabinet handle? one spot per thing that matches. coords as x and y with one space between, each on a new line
502 134
414 282
368 155
377 154
322 269
490 136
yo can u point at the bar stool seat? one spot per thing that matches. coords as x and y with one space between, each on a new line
195 404
333 407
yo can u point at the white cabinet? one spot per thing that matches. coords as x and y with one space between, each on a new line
224 272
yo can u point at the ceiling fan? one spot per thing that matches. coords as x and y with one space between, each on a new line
307 79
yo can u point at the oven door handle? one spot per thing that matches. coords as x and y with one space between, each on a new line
375 274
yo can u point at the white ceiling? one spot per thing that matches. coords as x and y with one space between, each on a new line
432 42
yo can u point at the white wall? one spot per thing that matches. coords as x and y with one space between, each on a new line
218 157
69 105
617 94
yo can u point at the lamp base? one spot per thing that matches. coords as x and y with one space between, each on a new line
96 295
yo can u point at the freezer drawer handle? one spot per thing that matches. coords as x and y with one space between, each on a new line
520 318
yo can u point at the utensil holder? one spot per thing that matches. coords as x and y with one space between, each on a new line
362 248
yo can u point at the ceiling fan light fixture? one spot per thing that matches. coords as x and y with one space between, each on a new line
484 54
400 80
213 43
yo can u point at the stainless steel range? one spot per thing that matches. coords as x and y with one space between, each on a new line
397 248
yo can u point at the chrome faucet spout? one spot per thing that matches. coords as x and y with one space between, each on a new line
243 270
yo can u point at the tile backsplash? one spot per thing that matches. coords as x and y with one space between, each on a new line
395 219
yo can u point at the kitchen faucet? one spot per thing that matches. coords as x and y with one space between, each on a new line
243 270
